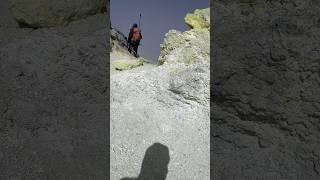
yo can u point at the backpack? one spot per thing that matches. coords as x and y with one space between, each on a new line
136 34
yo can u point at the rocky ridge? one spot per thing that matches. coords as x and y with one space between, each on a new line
120 58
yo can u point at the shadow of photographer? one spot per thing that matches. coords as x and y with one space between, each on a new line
155 163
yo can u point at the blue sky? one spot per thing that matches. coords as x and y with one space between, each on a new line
158 17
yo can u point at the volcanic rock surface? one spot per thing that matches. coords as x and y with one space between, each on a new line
48 13
265 90
167 104
53 99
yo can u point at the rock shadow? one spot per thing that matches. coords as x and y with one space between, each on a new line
155 164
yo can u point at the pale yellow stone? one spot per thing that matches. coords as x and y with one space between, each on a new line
122 65
200 19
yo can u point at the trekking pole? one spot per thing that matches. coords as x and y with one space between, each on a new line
140 21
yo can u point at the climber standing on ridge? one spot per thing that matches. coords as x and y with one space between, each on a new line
134 40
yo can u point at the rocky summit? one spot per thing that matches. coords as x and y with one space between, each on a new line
166 103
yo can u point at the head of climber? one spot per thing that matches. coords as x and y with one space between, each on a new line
135 25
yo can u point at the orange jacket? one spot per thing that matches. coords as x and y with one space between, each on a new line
135 34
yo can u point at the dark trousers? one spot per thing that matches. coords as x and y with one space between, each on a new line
134 46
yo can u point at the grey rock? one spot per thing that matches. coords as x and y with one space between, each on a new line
47 13
117 38
265 91
53 95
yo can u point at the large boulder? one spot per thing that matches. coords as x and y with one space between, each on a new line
47 13
200 19
188 47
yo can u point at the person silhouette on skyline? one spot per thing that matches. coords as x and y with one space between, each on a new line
134 39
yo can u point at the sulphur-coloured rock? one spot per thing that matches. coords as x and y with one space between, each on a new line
125 64
200 19
189 47
48 13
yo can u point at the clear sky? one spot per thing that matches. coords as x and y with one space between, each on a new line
158 17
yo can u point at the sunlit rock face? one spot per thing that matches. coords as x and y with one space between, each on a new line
166 103
190 47
200 19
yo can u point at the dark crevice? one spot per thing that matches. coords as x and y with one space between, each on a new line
23 24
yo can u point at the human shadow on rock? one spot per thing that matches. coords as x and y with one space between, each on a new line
155 164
